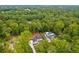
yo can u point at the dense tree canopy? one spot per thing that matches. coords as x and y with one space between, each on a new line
18 23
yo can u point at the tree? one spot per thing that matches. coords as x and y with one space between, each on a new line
21 43
61 45
51 49
75 46
22 46
8 47
58 26
26 35
1 46
42 46
14 26
36 26
72 29
66 37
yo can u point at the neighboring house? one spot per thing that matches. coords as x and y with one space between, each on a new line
49 36
27 9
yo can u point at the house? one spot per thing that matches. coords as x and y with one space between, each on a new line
49 36
27 9
35 39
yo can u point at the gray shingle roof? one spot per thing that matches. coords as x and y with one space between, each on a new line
36 38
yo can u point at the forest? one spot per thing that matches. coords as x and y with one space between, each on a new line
19 23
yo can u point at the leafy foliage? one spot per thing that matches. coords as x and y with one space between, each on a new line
17 23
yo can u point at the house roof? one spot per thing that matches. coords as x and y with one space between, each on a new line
27 9
36 37
49 35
